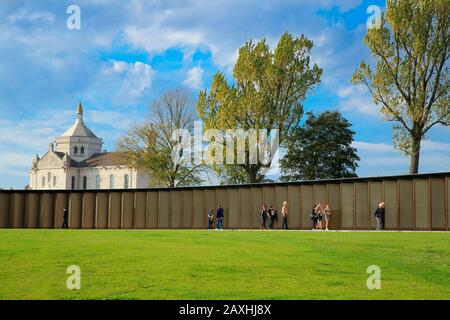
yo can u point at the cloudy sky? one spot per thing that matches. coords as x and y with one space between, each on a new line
129 52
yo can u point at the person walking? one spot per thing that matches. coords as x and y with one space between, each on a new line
219 218
210 219
65 224
379 216
271 214
263 217
319 216
284 214
314 217
327 215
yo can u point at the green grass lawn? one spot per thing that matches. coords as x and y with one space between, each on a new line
190 264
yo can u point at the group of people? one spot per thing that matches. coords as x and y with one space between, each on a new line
318 214
265 214
271 214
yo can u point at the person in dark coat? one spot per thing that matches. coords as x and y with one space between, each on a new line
272 216
263 217
379 216
65 224
219 218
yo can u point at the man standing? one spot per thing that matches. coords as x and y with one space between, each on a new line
219 218
284 213
379 216
65 224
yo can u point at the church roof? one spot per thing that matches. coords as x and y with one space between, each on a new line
103 159
79 129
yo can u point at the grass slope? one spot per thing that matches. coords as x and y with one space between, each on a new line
189 264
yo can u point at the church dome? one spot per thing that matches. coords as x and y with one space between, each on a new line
79 129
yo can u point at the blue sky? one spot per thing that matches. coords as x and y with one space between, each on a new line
129 52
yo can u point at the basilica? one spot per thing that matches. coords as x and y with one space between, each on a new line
76 161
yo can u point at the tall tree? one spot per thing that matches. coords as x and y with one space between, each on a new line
151 145
267 94
411 77
321 149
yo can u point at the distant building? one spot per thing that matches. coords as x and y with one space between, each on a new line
76 161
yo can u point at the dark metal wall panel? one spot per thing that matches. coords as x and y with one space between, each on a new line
18 210
320 194
361 206
257 202
391 205
115 210
375 197
140 202
32 210
406 204
102 212
46 211
199 210
164 210
347 205
222 199
245 208
422 203
334 200
307 203
61 202
448 202
269 196
437 204
4 210
88 218
127 210
152 210
75 207
175 209
294 208
188 205
233 208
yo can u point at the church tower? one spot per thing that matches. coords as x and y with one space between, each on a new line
79 142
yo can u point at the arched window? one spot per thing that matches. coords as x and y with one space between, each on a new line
43 181
49 177
73 183
126 182
111 182
82 150
54 181
97 182
75 150
84 182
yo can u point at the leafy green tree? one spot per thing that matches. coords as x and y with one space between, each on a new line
411 77
268 90
321 149
150 145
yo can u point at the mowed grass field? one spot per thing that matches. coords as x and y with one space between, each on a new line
194 264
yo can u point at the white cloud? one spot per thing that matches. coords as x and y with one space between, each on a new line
194 78
128 81
357 99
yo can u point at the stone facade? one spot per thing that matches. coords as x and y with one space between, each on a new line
76 161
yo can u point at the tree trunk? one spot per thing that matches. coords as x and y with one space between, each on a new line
415 155
252 174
